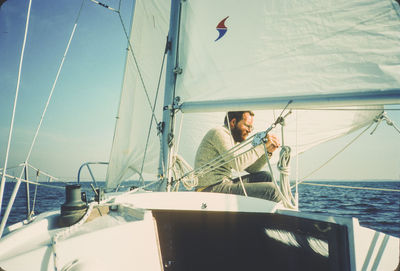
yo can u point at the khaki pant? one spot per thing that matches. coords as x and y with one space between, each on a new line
257 185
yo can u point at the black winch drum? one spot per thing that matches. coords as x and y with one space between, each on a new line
74 208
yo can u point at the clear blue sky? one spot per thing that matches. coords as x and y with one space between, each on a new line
80 120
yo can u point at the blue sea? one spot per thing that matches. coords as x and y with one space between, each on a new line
378 210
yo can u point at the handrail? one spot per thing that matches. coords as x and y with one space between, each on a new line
38 171
90 171
16 188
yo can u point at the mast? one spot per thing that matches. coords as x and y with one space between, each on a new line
167 125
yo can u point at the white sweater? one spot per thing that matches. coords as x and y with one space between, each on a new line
217 142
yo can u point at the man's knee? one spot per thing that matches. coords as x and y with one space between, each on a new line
272 193
262 176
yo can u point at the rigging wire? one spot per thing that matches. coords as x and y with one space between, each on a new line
106 6
377 120
297 160
232 153
38 172
389 122
152 105
35 195
3 178
14 193
133 57
354 187
37 183
336 154
18 179
54 83
151 121
220 160
347 109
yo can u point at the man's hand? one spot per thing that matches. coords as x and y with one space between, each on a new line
272 143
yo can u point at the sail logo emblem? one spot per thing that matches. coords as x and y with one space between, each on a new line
221 28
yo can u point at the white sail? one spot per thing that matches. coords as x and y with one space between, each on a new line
283 49
287 48
148 39
304 129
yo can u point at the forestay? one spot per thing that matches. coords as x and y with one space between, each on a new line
270 49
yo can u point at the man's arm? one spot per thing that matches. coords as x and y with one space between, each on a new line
258 165
222 142
271 145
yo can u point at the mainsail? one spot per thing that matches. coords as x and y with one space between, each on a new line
269 49
287 48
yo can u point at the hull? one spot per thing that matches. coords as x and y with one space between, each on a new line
195 231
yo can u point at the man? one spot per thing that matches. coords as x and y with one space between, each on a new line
218 141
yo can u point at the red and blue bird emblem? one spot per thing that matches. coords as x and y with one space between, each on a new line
221 28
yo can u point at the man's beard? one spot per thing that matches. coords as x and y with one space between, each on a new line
237 134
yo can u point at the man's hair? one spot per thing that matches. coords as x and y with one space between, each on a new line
238 115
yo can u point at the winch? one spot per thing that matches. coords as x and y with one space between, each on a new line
74 208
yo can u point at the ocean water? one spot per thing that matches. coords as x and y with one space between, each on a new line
378 210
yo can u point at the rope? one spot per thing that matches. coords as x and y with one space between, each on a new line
190 179
219 161
355 187
179 167
191 176
67 232
286 200
283 189
284 169
178 140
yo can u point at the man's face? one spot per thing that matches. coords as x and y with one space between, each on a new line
241 129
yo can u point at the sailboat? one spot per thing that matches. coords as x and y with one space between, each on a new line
286 61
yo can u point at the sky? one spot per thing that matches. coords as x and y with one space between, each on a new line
79 124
